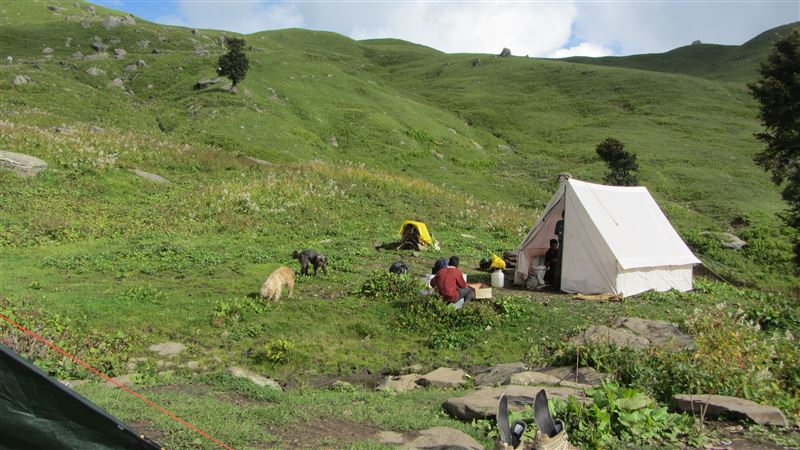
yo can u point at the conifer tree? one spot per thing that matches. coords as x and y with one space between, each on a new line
622 164
233 64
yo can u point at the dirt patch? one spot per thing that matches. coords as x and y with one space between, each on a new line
148 430
324 432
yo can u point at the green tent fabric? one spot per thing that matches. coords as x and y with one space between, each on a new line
38 412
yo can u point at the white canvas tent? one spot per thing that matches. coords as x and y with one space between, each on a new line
616 241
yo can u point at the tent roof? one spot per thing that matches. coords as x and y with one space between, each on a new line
634 227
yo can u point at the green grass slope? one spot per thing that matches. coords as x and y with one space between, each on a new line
734 63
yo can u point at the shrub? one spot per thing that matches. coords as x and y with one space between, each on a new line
622 164
447 327
390 286
277 351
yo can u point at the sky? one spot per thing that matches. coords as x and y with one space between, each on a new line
541 28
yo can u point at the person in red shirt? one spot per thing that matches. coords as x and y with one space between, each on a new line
449 283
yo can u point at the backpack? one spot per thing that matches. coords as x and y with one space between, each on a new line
398 267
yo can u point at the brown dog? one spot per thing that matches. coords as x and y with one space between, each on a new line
272 287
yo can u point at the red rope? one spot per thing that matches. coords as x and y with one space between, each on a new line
148 402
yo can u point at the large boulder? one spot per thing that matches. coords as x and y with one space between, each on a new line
505 53
729 407
601 334
498 374
120 53
432 438
444 377
661 334
117 83
238 372
482 402
23 165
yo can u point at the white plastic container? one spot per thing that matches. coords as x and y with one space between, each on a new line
539 271
498 279
427 280
465 277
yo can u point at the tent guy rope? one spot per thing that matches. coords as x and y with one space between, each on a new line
109 379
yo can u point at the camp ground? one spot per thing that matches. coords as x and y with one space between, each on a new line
616 241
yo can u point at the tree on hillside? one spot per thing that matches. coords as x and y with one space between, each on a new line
622 165
233 64
778 91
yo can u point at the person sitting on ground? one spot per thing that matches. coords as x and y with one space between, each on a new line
440 263
550 261
449 283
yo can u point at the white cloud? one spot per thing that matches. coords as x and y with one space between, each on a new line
535 28
582 49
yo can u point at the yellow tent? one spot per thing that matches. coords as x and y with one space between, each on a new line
424 236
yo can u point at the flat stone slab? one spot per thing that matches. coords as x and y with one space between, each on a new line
444 377
238 372
150 176
21 164
586 375
538 378
432 438
601 334
661 334
729 407
499 374
167 348
400 383
482 402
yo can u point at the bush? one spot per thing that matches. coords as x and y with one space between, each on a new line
277 351
445 326
389 286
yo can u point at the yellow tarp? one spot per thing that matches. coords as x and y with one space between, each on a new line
424 237
497 263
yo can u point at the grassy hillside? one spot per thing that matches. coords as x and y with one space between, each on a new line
733 63
107 263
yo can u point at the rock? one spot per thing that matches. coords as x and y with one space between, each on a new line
90 9
201 84
400 383
131 68
150 176
729 407
96 129
23 165
47 51
333 142
697 42
600 334
77 55
193 365
477 146
414 368
141 63
133 363
120 53
114 40
95 72
727 240
340 385
98 46
260 162
55 8
117 82
195 31
9 60
167 348
431 438
536 378
238 372
111 22
587 376
661 334
19 80
200 51
499 374
505 53
444 377
482 402
67 42
437 154
143 44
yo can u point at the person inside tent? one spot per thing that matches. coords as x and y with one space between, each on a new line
449 283
551 261
559 231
